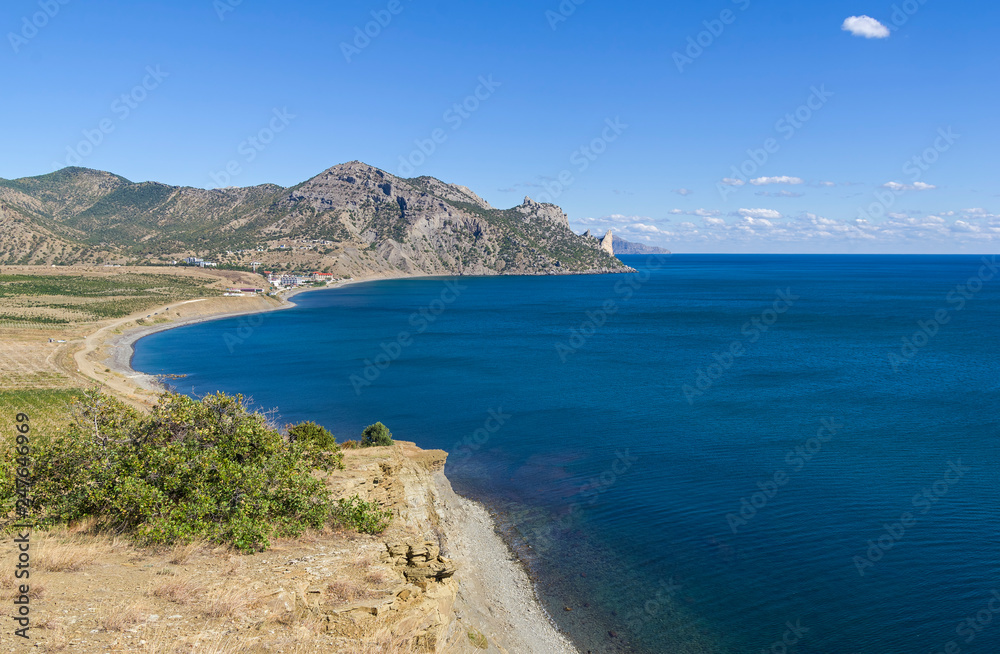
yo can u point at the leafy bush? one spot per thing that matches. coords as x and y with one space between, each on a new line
319 443
208 469
310 432
376 435
357 514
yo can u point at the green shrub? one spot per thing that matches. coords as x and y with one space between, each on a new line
320 444
310 432
478 639
208 469
357 514
376 435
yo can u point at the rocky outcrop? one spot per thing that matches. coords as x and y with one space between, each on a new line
415 600
543 211
420 564
607 243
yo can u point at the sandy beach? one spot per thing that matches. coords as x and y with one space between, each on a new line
494 589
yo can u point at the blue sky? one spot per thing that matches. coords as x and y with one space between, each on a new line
628 115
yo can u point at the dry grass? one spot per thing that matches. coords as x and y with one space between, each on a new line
363 561
378 576
121 617
229 602
222 644
379 639
81 526
346 591
56 640
157 641
70 555
304 624
182 553
182 590
10 585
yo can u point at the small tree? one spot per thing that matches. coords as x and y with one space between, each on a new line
318 444
376 435
312 434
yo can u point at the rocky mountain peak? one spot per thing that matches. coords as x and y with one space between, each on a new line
531 209
607 243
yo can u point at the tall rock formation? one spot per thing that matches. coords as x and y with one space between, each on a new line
607 243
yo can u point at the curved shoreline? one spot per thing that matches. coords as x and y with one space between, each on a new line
516 617
122 346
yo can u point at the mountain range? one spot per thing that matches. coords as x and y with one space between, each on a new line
350 219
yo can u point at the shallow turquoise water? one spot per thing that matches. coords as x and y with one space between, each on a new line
562 401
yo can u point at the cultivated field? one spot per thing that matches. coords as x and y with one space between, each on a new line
56 298
47 314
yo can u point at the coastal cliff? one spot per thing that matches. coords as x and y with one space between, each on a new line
438 580
448 565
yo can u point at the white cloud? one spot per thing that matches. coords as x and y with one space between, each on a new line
865 26
683 191
916 186
962 226
704 213
765 230
729 181
827 183
761 181
760 213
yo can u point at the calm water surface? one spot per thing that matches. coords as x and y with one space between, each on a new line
717 454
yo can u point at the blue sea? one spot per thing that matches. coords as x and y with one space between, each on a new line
718 453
